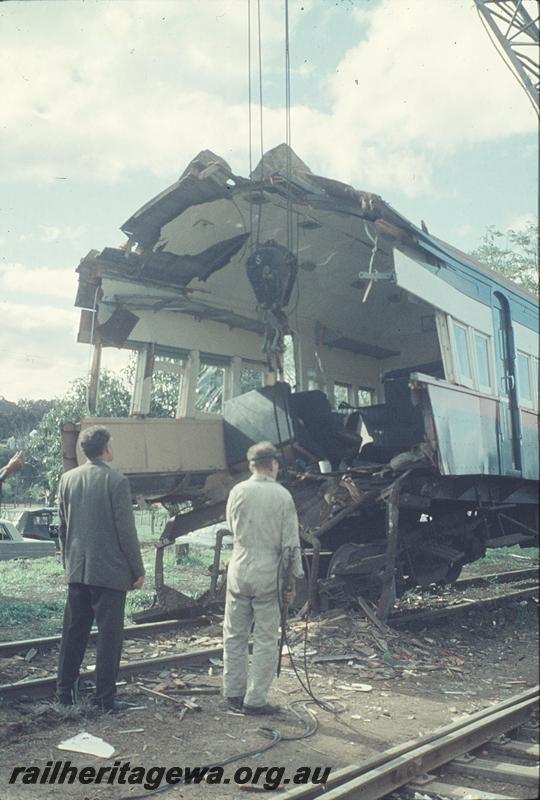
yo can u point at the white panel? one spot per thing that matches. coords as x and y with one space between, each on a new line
183 331
164 445
418 280
526 339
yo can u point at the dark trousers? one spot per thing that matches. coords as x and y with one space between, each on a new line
84 604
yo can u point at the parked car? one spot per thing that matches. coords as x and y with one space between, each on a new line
39 523
13 545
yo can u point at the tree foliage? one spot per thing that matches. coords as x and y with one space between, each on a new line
44 452
513 254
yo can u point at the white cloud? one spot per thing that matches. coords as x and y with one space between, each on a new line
51 233
40 320
522 222
43 281
171 78
40 354
426 81
29 371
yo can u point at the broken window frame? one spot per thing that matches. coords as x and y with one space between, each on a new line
253 366
147 356
172 365
357 399
220 362
350 393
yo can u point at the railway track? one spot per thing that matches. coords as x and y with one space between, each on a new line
45 687
428 615
130 632
401 618
511 576
407 763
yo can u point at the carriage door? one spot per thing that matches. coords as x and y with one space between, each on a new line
509 428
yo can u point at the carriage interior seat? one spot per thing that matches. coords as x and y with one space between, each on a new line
395 425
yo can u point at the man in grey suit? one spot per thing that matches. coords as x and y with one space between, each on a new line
102 560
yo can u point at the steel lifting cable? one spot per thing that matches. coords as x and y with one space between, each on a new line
288 126
261 123
250 127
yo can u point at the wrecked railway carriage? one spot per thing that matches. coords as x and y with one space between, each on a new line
413 374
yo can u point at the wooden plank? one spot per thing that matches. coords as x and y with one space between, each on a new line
384 629
451 792
521 749
496 771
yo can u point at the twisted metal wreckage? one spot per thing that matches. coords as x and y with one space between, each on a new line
413 376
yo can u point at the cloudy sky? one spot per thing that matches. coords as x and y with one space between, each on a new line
104 103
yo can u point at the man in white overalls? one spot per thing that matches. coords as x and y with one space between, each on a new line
262 518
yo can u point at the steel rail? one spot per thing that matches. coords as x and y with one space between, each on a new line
427 615
383 773
130 632
499 577
45 687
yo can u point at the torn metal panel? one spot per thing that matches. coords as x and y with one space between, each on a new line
191 189
117 328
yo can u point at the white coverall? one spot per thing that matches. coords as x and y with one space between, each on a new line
262 518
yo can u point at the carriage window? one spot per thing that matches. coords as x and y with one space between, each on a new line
462 353
481 348
341 394
365 397
251 378
524 379
166 386
210 386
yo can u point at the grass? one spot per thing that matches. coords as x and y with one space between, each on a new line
503 559
33 591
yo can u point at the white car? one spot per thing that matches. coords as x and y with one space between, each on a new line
13 545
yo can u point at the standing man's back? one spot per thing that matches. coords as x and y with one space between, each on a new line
100 545
262 518
102 559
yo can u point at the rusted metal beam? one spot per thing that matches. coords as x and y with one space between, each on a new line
387 582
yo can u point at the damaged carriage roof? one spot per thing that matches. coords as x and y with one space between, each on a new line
208 194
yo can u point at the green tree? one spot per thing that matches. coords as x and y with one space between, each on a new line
44 452
513 254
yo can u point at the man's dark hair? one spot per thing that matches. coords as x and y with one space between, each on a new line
261 455
94 441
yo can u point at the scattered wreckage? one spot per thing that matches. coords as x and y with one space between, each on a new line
408 426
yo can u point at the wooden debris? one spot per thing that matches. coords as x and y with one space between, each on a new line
335 657
160 695
132 730
373 618
32 653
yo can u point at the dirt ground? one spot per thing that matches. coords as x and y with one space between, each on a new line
391 686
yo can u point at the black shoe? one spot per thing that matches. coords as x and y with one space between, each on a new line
65 700
256 711
111 706
235 703
70 697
